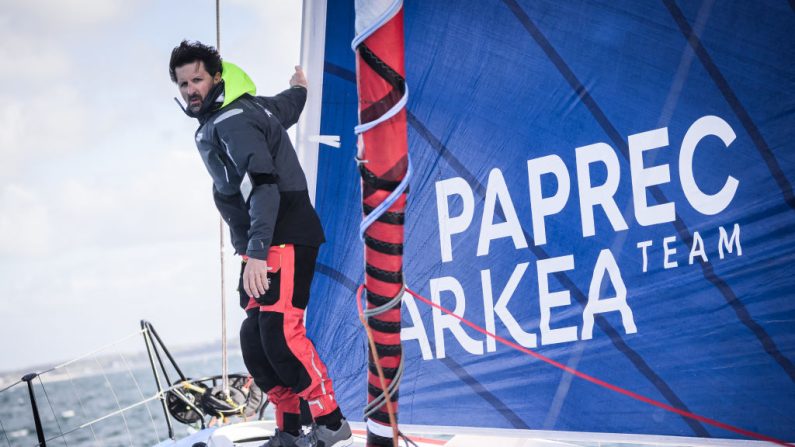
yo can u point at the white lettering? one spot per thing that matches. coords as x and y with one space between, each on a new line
541 206
448 226
525 339
442 322
642 177
709 204
591 196
727 242
496 189
668 251
607 263
417 330
548 300
642 246
697 249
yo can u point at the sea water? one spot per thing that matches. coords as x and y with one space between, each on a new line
85 391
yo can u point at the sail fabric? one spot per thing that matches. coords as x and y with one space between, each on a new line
608 183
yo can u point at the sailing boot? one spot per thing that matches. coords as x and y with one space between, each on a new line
281 439
322 436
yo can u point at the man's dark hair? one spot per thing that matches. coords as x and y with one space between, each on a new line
188 52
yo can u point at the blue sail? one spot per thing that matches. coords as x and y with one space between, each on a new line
607 183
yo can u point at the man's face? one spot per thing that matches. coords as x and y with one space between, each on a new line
194 83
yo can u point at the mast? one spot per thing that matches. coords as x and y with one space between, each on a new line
385 169
307 140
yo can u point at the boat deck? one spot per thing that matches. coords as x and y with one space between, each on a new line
254 434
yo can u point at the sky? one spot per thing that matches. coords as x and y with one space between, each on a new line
106 212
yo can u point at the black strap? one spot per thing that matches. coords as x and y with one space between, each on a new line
376 391
386 248
389 373
388 350
384 275
380 300
377 182
387 327
263 179
387 217
385 71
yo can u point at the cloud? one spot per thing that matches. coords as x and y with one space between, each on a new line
266 45
163 198
68 13
24 222
42 111
34 58
41 125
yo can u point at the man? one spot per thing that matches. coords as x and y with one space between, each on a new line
260 191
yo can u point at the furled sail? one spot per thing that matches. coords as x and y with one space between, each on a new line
608 184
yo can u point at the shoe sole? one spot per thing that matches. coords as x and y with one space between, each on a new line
343 443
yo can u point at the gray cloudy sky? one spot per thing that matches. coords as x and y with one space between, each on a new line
106 215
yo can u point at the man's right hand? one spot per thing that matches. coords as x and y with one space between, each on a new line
255 277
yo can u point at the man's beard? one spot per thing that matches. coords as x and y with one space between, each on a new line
195 107
198 105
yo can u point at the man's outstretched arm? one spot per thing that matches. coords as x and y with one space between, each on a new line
288 105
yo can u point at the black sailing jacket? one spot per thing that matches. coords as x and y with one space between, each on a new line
258 185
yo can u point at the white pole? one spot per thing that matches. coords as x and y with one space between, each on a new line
224 365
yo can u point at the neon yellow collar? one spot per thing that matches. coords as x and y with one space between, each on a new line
236 83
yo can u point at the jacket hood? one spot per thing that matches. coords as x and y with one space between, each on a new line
236 83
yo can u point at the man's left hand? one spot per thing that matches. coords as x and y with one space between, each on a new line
255 277
299 78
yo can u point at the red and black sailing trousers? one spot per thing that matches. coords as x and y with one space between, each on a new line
276 350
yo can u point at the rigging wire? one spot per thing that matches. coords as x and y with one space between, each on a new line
116 398
158 395
80 400
71 380
109 345
10 386
4 432
120 411
49 403
218 25
140 393
224 353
